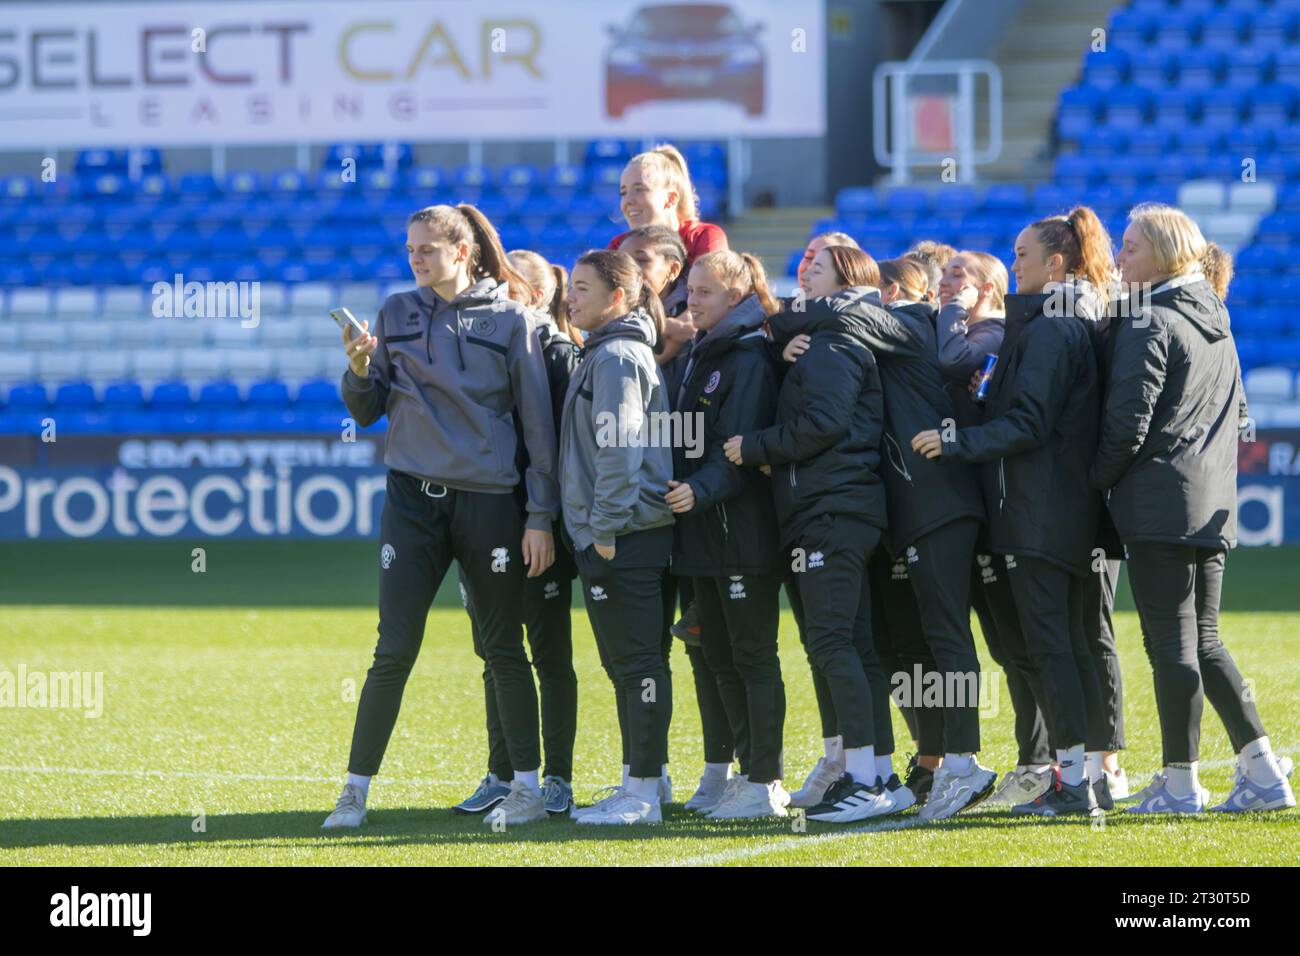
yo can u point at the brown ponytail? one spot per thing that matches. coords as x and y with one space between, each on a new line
559 306
551 283
487 260
1084 246
908 274
741 271
1216 263
618 270
853 267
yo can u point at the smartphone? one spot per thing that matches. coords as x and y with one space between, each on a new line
347 322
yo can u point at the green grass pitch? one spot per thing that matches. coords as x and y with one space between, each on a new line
227 714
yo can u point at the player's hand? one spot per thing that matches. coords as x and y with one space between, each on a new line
606 551
359 348
766 470
681 498
928 443
967 296
796 347
732 450
974 386
539 551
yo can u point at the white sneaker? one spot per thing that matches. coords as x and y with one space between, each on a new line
1157 784
622 809
823 776
747 801
709 793
1117 784
955 792
350 811
524 805
600 799
1019 786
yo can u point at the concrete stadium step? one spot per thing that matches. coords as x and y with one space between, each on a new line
772 234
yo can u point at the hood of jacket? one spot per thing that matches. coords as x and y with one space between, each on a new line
747 316
636 324
1196 302
483 292
830 313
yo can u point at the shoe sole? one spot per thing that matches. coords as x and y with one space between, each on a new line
568 807
472 811
1282 805
771 812
343 826
974 801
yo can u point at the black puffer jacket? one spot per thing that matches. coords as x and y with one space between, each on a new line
825 448
1168 449
731 387
1036 443
922 494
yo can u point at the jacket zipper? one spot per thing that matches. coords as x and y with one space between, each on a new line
793 481
722 511
900 466
1002 482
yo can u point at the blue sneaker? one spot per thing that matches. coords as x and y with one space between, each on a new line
1248 795
557 795
1156 798
487 796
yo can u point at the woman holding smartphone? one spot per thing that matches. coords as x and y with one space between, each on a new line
615 482
450 363
726 533
1041 420
1168 459
548 598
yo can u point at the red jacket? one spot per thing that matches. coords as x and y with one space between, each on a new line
698 237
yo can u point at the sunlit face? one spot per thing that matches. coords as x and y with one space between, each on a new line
707 298
809 254
643 202
592 303
1032 267
1137 257
954 278
433 259
659 270
820 278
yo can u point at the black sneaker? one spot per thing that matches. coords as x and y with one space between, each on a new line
1102 792
919 780
687 630
1062 799
848 801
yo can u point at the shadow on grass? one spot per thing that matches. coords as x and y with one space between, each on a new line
413 826
345 573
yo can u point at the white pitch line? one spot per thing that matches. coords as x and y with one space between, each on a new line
790 843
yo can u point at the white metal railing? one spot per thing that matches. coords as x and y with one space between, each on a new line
892 139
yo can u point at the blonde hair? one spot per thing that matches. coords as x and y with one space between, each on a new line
1217 266
551 283
987 268
834 239
1175 238
741 271
670 170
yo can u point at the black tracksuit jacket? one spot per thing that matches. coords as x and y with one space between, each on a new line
732 384
824 449
1037 442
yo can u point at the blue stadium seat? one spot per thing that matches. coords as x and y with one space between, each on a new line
30 396
75 396
1130 30
1153 69
906 200
563 181
1076 172
1178 30
1249 67
1150 142
1260 260
1127 108
1225 108
101 161
1079 110
268 395
170 396
1104 141
1008 198
1224 30
858 201
318 393
123 396
609 152
1286 66
1201 70
1106 69
1273 104
1274 28
1177 109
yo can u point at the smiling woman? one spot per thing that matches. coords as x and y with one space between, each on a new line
656 190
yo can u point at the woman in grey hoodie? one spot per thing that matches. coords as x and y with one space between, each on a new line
614 469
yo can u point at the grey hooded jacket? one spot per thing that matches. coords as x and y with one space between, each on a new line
614 477
450 375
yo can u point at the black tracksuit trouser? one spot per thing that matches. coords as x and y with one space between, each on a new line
1099 630
835 623
625 602
424 527
548 623
720 745
1177 589
1049 602
739 620
938 564
995 606
900 641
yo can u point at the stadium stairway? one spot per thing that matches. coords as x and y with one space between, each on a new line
771 234
1038 58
